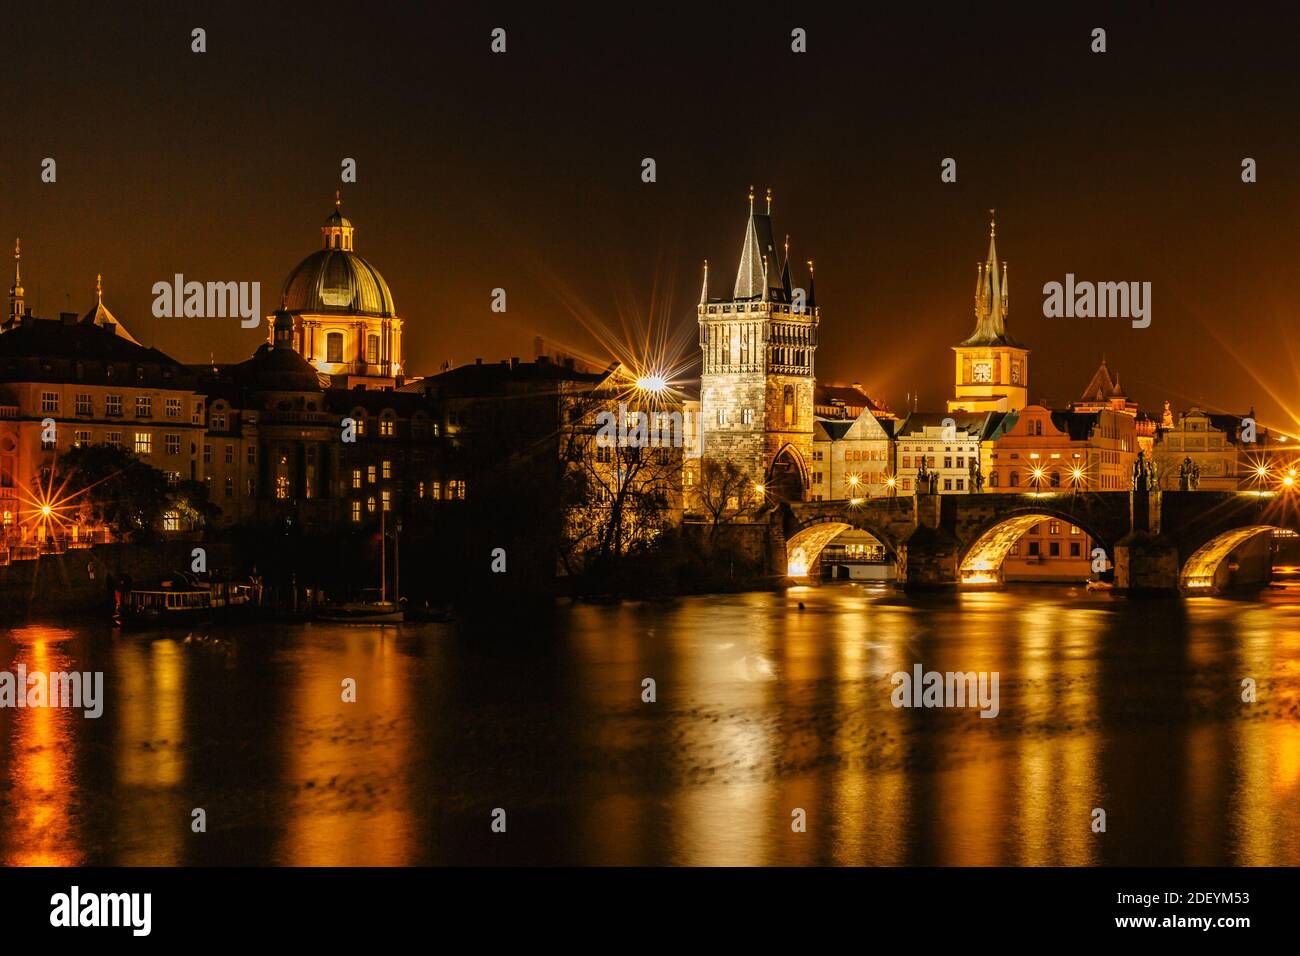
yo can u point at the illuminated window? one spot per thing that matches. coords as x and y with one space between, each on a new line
456 489
143 406
435 490
372 349
1053 527
420 489
143 443
356 512
387 467
173 408
50 402
386 497
386 425
334 347
282 486
173 479
171 521
370 504
356 477
359 417
370 474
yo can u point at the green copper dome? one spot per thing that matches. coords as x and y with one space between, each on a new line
337 280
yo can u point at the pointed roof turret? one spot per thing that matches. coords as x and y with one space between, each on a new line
1101 386
751 280
704 289
991 300
812 286
100 315
785 269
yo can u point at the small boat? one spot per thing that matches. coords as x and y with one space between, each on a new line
362 612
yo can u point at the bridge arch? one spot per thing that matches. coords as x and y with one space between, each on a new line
1200 569
787 475
807 542
982 560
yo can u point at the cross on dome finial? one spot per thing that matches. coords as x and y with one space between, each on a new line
338 198
993 223
99 287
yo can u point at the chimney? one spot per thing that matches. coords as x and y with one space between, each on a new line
478 361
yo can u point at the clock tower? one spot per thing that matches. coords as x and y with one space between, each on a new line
992 373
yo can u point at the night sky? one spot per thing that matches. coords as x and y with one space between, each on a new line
523 171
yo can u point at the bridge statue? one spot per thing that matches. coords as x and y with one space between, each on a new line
976 475
1189 475
1141 473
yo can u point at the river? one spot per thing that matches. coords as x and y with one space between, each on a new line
762 709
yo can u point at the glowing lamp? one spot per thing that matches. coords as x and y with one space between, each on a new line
651 383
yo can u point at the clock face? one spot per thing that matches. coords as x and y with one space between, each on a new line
981 372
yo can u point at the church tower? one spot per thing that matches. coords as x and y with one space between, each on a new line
992 373
16 302
758 345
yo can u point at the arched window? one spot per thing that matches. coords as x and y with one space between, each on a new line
334 347
789 404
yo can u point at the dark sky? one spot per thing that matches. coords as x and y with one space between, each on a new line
523 171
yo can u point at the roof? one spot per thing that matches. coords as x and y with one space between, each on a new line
50 350
1102 386
982 424
1078 425
849 395
499 378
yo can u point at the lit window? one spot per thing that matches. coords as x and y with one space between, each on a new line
370 504
387 468
435 490
370 474
386 497
173 408
386 426
356 477
356 512
143 406
50 402
143 443
171 521
282 486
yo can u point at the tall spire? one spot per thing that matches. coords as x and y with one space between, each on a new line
991 296
99 288
769 200
767 290
751 276
785 269
16 291
704 290
812 286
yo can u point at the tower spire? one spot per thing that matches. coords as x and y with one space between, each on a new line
812 286
338 198
704 290
16 291
785 269
769 200
99 288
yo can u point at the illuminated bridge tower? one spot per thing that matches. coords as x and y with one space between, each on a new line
992 373
758 345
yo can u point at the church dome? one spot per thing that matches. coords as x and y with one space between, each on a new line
337 280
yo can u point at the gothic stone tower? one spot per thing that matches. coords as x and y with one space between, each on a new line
756 389
992 373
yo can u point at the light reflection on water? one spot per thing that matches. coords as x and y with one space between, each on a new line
762 707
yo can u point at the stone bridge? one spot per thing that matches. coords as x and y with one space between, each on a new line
1156 541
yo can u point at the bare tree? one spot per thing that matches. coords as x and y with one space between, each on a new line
725 494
